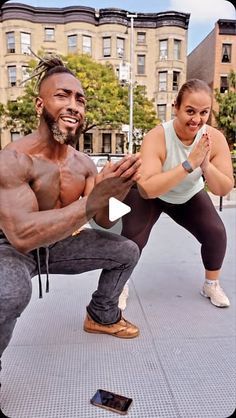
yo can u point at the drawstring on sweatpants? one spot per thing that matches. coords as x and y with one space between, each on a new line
47 269
39 271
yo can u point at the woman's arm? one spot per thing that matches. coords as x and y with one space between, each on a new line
217 166
153 182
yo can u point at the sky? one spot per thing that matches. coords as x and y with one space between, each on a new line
204 13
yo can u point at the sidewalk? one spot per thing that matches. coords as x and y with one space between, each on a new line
182 365
227 201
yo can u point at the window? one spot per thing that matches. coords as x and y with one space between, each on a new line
49 34
163 49
87 44
175 85
161 112
226 53
162 81
107 47
141 64
24 72
141 37
11 75
72 43
11 46
224 85
120 143
25 43
88 142
120 47
106 142
15 136
177 49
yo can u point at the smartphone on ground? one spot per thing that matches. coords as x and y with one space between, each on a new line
111 401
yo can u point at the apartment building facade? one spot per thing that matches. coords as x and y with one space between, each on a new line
159 49
214 58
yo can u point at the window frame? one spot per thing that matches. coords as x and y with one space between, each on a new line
11 50
24 46
122 47
88 47
71 48
140 66
11 82
141 42
175 83
46 38
160 73
228 53
163 56
106 47
164 106
177 49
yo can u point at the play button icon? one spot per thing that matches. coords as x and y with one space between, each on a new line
117 209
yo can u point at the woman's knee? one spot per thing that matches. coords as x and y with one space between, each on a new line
217 233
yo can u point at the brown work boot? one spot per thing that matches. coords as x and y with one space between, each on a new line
121 329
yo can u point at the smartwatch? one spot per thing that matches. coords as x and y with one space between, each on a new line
187 166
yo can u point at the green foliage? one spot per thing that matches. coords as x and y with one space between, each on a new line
226 117
2 110
21 114
101 87
107 101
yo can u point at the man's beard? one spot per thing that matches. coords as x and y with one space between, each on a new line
59 136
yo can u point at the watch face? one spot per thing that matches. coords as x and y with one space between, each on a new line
187 166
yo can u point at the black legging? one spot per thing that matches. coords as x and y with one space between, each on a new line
198 216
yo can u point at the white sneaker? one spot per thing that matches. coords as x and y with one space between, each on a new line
123 297
216 294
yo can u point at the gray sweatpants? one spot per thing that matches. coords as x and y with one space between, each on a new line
90 250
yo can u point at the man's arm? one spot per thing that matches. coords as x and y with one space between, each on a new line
20 219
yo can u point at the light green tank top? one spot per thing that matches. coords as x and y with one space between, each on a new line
177 152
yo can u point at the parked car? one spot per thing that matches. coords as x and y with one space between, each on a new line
101 159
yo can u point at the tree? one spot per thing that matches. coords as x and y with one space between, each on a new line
20 114
107 101
225 117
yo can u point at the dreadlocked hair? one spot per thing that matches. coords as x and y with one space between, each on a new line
47 66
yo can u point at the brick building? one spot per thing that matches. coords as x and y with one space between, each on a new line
214 58
160 43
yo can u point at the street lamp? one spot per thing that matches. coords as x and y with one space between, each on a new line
131 84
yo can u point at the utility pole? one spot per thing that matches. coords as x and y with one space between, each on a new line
131 83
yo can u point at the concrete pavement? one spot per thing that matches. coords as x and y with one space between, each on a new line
182 365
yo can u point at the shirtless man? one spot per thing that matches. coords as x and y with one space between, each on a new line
44 189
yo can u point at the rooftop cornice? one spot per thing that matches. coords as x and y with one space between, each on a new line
227 26
55 15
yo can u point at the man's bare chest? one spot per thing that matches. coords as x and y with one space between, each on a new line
56 185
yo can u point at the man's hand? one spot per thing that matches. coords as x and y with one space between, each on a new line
115 180
126 168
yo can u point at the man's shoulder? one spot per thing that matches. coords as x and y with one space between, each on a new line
9 154
85 159
14 163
